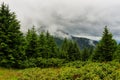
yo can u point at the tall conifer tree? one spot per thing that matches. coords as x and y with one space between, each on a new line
11 38
73 51
51 46
70 50
106 47
42 45
64 49
32 43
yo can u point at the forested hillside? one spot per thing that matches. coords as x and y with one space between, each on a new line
81 41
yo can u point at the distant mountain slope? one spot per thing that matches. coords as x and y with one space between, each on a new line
82 42
59 35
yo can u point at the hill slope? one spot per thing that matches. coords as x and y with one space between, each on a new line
82 42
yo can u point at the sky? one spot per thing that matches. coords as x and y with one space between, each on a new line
83 18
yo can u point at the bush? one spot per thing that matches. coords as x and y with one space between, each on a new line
50 62
42 62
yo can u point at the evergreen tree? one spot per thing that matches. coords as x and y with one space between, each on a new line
51 46
64 49
11 38
70 50
47 46
73 51
85 54
42 45
116 55
32 44
106 47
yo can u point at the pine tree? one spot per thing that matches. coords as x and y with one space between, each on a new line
51 46
106 47
64 49
11 38
116 55
70 50
65 44
42 45
84 54
73 51
32 44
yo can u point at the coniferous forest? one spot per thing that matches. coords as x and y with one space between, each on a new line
38 57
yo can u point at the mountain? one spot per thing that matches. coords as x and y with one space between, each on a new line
81 41
59 35
62 34
84 42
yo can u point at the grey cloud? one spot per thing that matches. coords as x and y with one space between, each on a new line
77 17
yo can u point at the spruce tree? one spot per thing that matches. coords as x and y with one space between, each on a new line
73 51
42 45
64 49
116 55
51 46
85 54
70 50
32 44
106 47
11 38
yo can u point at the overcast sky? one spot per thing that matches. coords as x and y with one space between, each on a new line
77 17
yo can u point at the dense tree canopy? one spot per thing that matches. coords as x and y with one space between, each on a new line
70 50
41 50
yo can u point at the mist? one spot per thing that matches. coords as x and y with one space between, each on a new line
77 17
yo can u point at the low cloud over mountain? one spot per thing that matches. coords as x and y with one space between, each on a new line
77 17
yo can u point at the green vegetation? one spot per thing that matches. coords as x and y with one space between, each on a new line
70 50
71 71
31 48
105 48
11 39
116 55
38 57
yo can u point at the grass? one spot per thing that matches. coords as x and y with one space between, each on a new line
8 74
71 71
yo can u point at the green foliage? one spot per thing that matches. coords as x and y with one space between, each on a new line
42 62
64 49
70 50
40 50
85 54
116 55
51 62
33 50
106 47
73 51
87 71
47 46
11 39
52 48
42 46
32 44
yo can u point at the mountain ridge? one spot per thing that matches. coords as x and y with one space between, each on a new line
81 41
